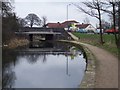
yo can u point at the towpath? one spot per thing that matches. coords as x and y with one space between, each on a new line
106 66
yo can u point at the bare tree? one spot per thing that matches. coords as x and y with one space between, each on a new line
114 23
86 20
44 20
22 22
119 27
111 19
6 7
105 24
9 21
113 12
93 9
33 19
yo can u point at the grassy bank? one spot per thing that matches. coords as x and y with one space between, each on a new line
16 42
94 39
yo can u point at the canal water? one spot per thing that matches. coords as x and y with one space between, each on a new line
44 65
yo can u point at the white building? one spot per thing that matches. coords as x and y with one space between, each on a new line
86 28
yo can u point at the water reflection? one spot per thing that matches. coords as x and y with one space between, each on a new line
44 65
8 75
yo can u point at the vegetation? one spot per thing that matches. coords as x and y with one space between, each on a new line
44 20
93 39
96 8
14 43
9 22
119 28
22 22
33 19
114 13
93 9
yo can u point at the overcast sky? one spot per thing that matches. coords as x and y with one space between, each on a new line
54 10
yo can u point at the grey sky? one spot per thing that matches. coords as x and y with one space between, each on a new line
55 11
49 0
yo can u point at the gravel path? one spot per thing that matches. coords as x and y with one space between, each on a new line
73 36
106 67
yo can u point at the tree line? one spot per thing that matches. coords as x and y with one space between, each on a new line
9 21
32 19
12 23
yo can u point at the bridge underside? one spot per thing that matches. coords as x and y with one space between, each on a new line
40 35
43 37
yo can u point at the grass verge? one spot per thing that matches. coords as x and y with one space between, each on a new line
94 39
16 42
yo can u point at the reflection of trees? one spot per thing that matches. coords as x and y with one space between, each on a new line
8 76
44 58
59 48
9 57
82 52
85 56
32 59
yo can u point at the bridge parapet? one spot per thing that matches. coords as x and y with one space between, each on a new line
58 33
28 29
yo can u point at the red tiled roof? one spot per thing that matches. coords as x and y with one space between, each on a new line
55 25
61 25
81 26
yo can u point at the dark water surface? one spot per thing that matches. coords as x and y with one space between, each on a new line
44 65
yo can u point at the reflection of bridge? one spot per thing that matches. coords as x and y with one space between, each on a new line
56 48
47 33
44 51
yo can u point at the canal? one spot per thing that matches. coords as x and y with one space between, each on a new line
44 65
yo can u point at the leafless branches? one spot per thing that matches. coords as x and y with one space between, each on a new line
93 9
44 20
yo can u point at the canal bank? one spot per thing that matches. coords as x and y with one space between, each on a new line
14 43
104 72
89 77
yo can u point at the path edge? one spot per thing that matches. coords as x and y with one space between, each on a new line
89 77
88 80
